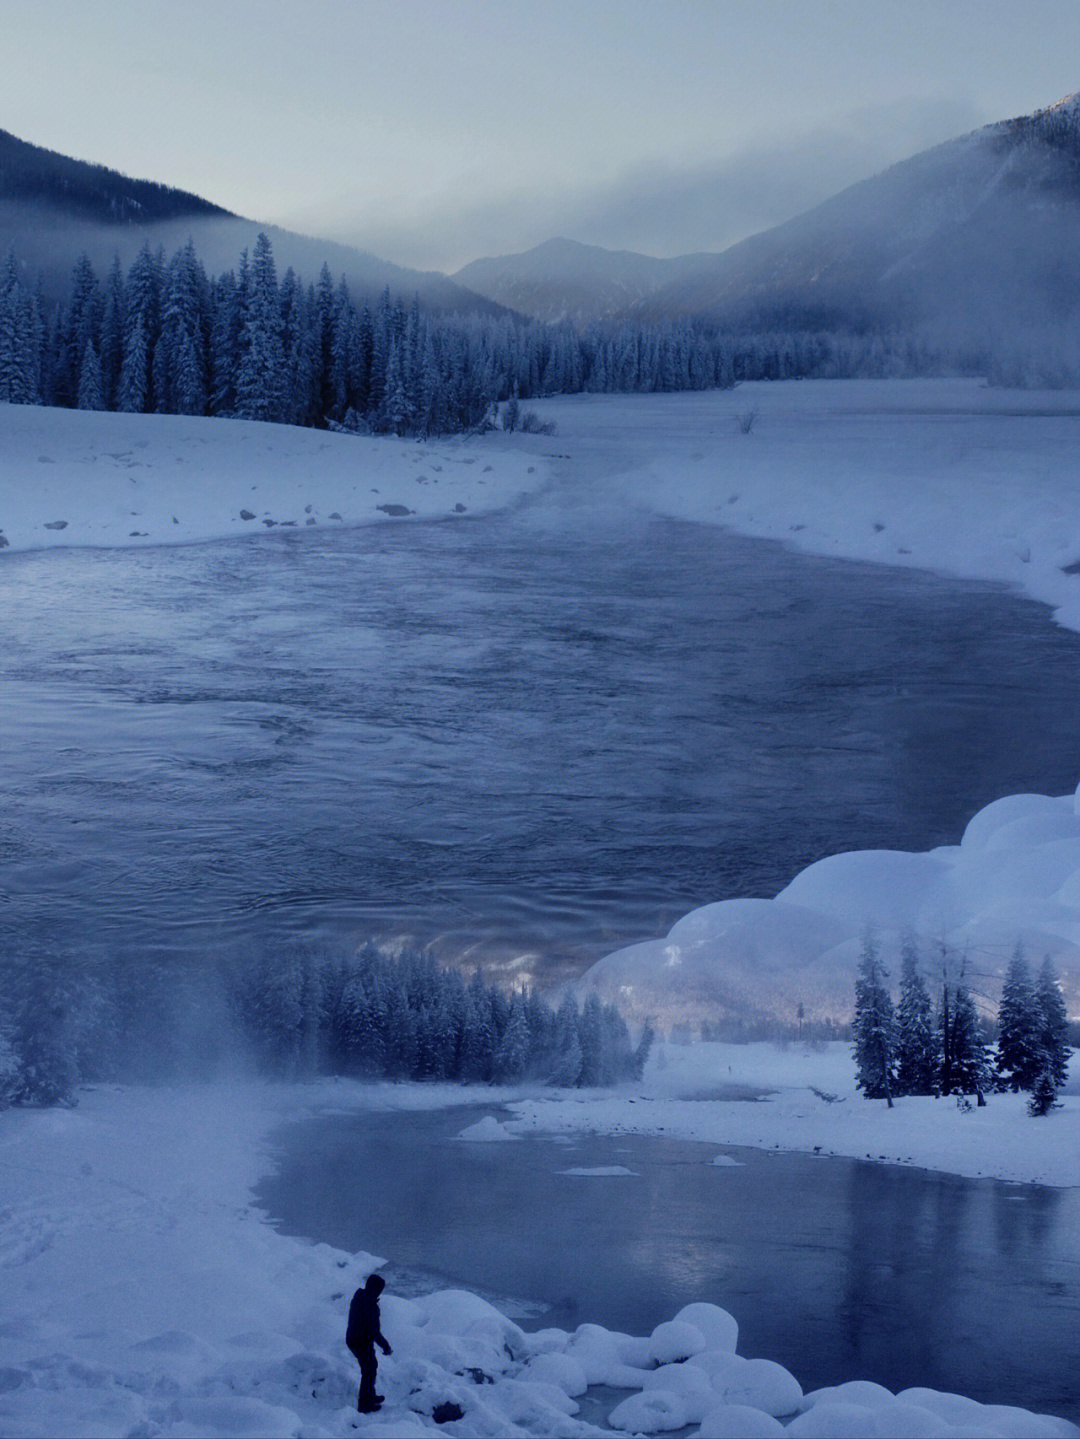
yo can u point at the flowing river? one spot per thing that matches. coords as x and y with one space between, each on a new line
532 737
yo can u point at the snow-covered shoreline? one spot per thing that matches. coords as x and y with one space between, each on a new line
946 475
144 1295
70 477
814 1107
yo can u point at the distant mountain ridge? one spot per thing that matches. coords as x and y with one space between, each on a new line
982 231
565 280
30 172
52 208
976 236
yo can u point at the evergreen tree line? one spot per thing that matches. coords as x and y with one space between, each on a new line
166 338
922 1047
291 1013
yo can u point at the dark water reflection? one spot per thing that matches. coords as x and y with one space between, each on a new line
546 733
839 1269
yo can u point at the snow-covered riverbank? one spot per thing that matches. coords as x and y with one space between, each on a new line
945 475
813 1106
143 1295
70 477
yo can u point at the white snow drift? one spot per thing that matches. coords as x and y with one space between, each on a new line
71 477
1014 876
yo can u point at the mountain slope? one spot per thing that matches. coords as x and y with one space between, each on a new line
981 232
564 280
53 207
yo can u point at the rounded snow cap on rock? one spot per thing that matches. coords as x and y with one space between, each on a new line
1013 807
739 1421
649 1413
719 1328
673 1341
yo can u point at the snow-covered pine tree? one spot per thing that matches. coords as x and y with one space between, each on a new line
112 334
1053 1025
970 1057
90 396
133 387
1044 1094
260 381
10 298
916 1044
513 1052
568 1056
78 327
1019 1047
642 1050
874 1026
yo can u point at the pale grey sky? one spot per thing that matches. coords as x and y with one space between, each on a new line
434 131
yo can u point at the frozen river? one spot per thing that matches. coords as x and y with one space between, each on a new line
546 733
839 1269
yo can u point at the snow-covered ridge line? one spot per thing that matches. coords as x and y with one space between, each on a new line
143 1295
71 477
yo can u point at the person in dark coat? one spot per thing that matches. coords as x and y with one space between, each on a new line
361 1337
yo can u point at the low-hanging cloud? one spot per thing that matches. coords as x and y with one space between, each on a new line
658 209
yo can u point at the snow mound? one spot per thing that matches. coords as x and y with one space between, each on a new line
486 1131
738 1421
1014 877
602 1171
674 1341
654 1411
719 1329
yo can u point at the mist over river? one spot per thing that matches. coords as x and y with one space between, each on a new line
528 738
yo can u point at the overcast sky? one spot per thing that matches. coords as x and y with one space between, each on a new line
435 131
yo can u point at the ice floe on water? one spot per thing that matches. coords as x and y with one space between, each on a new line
601 1171
487 1131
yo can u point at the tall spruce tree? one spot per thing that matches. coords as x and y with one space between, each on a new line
916 1045
970 1067
1053 1026
1019 1047
874 1026
260 383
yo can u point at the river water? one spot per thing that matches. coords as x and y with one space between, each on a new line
530 737
839 1269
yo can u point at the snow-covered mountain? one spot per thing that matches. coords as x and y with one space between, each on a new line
52 208
564 280
978 237
981 233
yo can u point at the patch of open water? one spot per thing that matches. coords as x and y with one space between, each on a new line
839 1269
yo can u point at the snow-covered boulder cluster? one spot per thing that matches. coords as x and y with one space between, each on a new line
456 1354
460 1367
1014 876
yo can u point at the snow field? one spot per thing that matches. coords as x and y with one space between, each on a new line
813 1107
70 477
143 1296
1015 875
